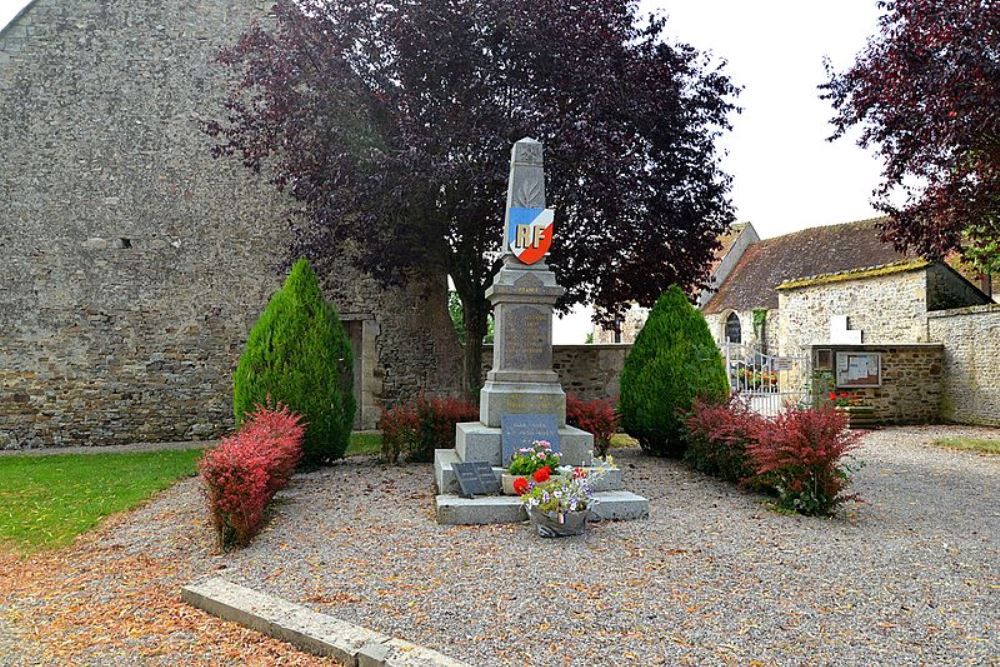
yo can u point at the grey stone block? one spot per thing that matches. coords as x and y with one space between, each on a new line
444 476
455 510
503 398
373 654
311 631
303 628
620 506
405 654
477 442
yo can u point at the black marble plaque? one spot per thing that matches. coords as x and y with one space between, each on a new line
476 478
517 431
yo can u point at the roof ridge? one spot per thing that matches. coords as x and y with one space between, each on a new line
864 222
16 16
860 272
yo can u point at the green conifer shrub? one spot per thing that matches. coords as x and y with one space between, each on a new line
673 362
299 354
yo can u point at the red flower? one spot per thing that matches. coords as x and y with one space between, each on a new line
520 486
833 396
542 474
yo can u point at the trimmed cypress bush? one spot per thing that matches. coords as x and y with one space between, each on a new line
299 354
673 362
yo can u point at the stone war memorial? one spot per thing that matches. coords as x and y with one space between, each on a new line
522 400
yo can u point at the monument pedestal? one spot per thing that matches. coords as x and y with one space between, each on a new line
521 381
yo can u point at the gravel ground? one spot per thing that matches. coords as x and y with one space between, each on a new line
714 577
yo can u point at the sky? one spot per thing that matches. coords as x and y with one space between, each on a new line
9 9
786 176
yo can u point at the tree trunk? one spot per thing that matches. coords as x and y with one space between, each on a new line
475 315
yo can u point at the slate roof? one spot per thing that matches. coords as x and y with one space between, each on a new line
816 251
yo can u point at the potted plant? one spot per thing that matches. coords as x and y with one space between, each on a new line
536 463
562 505
858 414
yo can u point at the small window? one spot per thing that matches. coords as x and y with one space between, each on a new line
824 360
734 332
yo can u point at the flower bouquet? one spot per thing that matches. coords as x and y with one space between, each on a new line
530 464
561 506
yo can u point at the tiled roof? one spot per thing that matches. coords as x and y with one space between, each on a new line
754 280
856 274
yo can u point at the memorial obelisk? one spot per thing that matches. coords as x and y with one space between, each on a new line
522 398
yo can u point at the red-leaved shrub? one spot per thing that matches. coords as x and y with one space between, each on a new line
717 438
400 426
597 416
420 427
800 454
245 470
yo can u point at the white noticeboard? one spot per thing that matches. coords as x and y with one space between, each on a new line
859 369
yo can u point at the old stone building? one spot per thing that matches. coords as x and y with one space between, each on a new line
838 305
133 262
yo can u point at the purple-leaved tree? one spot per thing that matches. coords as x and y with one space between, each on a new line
390 123
926 93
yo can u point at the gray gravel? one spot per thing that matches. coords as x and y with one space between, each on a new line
714 577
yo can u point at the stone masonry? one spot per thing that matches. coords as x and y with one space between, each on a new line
911 389
134 262
971 338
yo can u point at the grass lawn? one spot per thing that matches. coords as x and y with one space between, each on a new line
364 443
46 501
970 445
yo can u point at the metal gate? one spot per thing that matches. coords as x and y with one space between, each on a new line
766 382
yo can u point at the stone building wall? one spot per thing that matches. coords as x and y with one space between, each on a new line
763 339
888 309
589 371
971 338
133 262
912 381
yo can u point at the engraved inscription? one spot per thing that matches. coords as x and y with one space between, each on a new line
527 338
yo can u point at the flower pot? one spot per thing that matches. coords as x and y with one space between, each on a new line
507 482
550 524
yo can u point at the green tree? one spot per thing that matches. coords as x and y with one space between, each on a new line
299 354
458 319
674 360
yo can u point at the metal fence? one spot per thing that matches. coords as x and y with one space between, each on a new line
766 382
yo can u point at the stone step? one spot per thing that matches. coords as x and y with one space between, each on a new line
447 480
455 510
476 442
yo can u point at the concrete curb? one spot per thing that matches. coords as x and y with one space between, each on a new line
309 630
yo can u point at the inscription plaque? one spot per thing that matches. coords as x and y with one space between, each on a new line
476 478
527 334
517 431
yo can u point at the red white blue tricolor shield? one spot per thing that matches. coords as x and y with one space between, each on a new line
529 233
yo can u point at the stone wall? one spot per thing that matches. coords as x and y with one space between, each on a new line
912 381
888 309
589 371
971 338
133 262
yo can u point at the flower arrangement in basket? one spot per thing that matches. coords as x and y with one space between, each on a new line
536 463
561 506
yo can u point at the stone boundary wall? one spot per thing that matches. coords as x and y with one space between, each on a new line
911 381
589 371
971 339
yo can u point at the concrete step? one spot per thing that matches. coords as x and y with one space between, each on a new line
447 481
477 442
455 510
